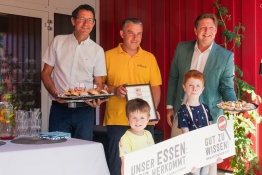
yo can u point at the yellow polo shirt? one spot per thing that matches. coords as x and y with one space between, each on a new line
122 69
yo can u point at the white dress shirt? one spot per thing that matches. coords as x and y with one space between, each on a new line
73 62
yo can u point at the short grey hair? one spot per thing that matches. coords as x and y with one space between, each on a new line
132 20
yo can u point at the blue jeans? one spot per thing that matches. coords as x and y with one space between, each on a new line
77 121
115 132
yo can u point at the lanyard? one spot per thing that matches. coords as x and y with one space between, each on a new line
191 115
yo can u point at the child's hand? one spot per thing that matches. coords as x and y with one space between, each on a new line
193 170
219 160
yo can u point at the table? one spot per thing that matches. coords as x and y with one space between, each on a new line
71 157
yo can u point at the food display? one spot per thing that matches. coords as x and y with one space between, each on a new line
237 106
83 94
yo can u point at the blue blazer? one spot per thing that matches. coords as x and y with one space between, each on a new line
218 74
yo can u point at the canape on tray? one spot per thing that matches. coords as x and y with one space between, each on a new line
83 92
236 105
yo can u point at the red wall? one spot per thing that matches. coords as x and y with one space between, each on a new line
167 22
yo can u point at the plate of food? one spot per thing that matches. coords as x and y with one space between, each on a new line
237 106
83 94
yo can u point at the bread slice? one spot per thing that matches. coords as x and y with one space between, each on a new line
83 93
67 93
74 93
103 92
92 92
70 90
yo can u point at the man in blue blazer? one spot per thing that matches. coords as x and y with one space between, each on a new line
215 62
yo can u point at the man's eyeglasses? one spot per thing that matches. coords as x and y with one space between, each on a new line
89 20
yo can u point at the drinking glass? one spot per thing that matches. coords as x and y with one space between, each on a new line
35 122
22 123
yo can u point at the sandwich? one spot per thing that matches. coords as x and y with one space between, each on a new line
103 92
92 92
66 93
74 93
83 93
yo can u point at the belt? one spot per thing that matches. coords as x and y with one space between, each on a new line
77 104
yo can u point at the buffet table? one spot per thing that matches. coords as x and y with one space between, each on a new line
71 157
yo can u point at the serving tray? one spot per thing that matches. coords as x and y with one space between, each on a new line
87 97
255 106
36 141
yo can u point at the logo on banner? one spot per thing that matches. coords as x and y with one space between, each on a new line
222 124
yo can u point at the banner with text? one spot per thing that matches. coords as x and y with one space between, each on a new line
180 154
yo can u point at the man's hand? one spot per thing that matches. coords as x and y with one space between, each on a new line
96 102
155 122
169 116
59 100
120 91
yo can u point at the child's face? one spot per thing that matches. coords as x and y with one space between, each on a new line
138 121
193 88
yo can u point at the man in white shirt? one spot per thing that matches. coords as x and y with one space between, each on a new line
204 55
73 59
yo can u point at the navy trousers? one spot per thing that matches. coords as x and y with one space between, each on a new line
115 132
77 121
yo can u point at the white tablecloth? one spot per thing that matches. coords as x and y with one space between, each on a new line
73 157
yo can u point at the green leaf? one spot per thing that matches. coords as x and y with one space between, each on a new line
220 23
215 4
229 35
223 11
238 43
239 71
236 28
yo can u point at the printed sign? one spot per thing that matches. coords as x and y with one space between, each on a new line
144 92
180 154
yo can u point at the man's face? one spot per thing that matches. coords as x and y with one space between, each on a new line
206 31
83 23
132 36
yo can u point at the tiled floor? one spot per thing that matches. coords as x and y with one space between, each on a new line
221 172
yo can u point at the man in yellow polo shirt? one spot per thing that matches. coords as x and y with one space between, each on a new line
127 64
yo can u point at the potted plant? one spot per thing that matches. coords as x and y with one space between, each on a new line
245 160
